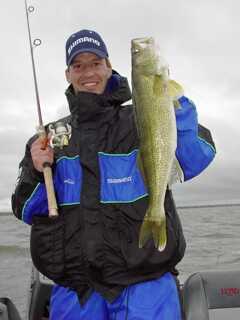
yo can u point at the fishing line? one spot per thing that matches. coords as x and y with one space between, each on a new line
47 171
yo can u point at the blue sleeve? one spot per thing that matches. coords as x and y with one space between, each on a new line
195 147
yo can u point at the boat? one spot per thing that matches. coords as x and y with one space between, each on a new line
212 295
205 295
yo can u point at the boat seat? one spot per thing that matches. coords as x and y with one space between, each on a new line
212 295
8 310
39 296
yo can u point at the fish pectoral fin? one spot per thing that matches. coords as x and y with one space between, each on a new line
176 174
155 228
176 92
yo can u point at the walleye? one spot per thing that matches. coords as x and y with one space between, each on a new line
153 94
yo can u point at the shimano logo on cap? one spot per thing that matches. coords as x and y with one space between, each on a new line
82 40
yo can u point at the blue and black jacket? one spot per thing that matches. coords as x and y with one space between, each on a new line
102 198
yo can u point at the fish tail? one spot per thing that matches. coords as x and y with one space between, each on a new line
156 228
159 233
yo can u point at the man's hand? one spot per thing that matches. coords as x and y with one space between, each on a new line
40 155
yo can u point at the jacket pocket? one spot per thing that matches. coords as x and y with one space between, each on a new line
148 257
121 180
56 248
47 246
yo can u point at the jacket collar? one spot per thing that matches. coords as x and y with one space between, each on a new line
86 106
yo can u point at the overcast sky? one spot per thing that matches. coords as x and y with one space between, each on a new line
199 39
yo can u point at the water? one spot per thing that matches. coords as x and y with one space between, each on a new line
212 235
15 262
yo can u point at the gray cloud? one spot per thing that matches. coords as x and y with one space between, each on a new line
198 39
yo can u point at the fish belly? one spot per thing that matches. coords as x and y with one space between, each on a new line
157 129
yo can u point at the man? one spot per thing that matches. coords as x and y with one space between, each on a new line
91 250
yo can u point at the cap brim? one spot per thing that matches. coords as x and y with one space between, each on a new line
97 52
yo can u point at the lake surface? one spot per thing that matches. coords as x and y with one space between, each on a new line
212 234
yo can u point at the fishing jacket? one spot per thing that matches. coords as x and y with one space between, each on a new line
102 198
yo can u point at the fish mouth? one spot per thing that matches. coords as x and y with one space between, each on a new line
143 42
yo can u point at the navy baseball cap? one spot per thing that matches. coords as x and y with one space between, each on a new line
85 41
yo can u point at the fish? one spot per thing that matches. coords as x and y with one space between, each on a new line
155 96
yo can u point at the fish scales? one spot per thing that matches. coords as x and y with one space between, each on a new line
157 130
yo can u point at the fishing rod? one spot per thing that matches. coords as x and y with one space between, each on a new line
47 171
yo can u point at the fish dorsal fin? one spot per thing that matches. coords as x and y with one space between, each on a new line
175 90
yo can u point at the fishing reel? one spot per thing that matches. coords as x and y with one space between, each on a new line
60 134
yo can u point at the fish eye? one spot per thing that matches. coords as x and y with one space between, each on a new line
135 51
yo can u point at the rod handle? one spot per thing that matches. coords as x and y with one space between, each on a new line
52 203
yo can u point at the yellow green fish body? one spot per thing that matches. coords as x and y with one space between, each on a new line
157 130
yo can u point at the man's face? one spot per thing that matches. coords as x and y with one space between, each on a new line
88 73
